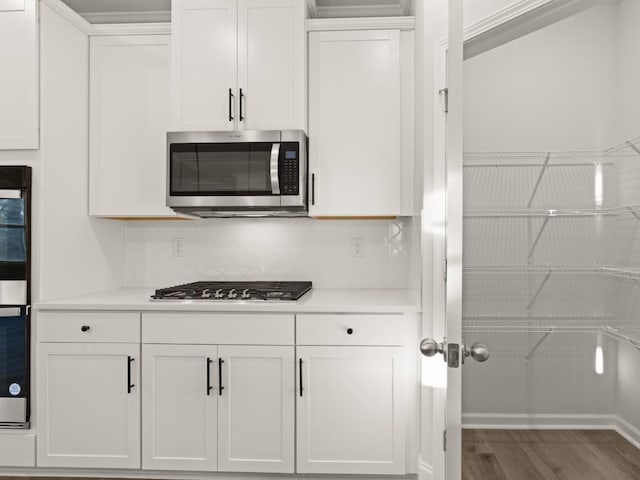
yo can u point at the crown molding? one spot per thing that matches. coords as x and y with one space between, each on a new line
518 19
110 29
70 15
160 16
312 9
368 23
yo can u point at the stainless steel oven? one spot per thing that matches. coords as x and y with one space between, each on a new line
15 273
249 173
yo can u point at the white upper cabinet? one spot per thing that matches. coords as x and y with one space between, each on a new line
238 65
360 123
129 119
271 64
204 73
19 73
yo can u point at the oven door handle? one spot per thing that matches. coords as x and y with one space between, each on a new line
275 182
9 311
10 194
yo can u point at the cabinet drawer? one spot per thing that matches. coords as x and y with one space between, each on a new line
103 327
351 329
217 329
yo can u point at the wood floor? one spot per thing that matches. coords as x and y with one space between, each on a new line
536 455
548 455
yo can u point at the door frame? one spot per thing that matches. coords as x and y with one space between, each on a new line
445 316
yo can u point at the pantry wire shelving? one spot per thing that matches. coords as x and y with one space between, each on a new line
542 189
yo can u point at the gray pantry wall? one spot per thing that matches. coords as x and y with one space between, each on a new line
571 86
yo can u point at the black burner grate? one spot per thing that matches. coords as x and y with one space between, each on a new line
288 291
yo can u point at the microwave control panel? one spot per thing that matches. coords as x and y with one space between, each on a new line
289 169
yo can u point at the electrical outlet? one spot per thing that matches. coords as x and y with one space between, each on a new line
177 247
357 247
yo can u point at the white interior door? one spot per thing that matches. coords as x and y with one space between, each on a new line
441 385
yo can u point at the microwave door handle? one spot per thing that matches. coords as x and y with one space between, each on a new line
275 182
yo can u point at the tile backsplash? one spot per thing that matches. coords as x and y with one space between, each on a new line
271 249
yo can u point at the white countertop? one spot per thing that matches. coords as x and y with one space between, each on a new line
318 300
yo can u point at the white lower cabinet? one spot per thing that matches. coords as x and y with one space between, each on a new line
351 414
88 405
256 409
218 408
179 407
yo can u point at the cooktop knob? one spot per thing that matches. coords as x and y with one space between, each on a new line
232 293
218 294
245 293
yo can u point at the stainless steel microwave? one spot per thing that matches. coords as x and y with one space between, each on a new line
247 173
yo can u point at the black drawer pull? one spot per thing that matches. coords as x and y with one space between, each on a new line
300 376
129 384
349 331
220 387
209 387
85 328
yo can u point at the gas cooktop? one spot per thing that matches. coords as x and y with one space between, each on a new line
217 291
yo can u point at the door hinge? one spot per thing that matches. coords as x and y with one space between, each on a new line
445 93
444 440
444 270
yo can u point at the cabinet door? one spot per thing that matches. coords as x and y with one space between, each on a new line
256 409
351 414
271 66
88 405
129 119
19 74
204 65
354 120
179 407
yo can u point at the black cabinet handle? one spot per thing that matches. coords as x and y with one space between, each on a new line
230 105
313 189
349 331
241 97
85 328
209 387
300 376
220 387
129 384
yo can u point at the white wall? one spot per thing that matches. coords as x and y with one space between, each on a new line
270 249
550 90
77 254
627 101
628 391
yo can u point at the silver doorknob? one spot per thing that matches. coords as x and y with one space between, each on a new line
429 347
478 351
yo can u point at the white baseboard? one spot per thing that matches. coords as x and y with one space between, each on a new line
538 421
501 421
628 431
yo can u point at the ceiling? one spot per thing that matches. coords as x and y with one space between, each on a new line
129 11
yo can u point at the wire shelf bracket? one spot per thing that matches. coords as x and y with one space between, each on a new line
539 291
537 345
540 175
535 242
